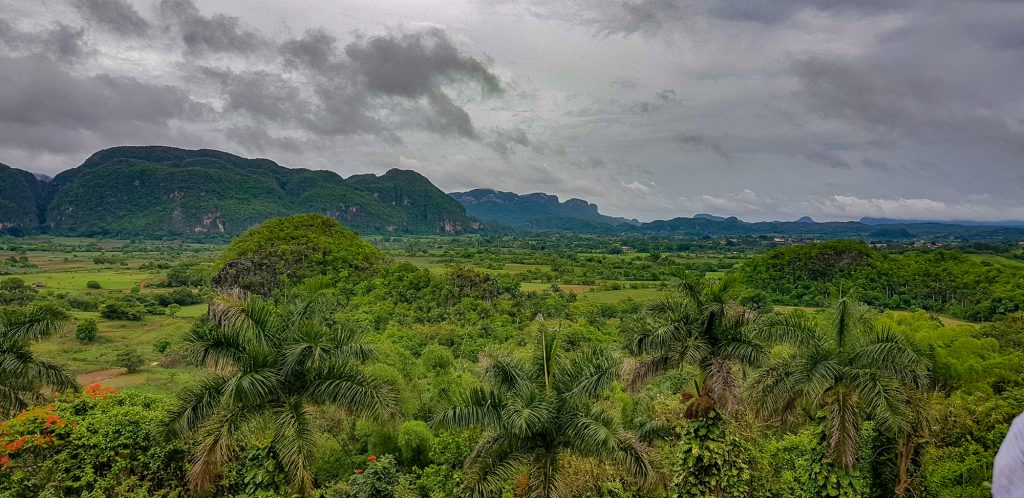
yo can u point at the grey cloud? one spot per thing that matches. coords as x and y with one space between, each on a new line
875 164
916 106
449 118
117 16
41 98
777 11
257 139
60 42
826 158
316 50
414 65
505 141
698 142
213 34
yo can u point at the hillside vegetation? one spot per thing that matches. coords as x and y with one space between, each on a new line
300 360
159 192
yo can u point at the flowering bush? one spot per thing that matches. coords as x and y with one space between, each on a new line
98 442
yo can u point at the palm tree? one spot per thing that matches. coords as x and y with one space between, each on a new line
701 328
22 375
534 412
272 363
840 371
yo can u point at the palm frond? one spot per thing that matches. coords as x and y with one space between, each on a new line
293 444
196 404
527 411
217 445
842 428
586 373
344 385
479 407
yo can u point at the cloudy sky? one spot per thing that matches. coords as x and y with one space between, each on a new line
762 109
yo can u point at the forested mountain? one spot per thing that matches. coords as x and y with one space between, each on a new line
21 198
164 191
536 210
418 200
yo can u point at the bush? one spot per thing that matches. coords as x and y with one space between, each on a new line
96 443
161 346
173 310
87 331
414 438
130 360
92 284
81 303
122 310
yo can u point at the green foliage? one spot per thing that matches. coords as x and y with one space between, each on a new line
380 479
535 411
414 442
92 284
22 374
271 362
94 444
122 310
173 309
292 249
87 331
14 290
709 461
130 360
943 281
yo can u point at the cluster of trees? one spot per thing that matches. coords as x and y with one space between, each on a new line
345 375
950 282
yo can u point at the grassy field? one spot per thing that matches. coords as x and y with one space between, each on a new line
114 336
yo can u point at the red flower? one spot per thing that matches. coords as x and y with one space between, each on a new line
5 460
358 471
373 458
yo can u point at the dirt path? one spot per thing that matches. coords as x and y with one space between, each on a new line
100 376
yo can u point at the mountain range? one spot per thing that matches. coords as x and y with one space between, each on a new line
157 191
537 210
166 192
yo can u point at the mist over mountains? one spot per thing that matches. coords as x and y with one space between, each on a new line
167 192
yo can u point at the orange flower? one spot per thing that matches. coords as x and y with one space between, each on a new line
373 458
5 461
358 471
16 445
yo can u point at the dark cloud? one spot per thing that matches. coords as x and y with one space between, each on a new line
214 34
448 118
316 50
61 42
414 65
504 141
698 142
117 16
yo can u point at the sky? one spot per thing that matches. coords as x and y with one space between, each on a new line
652 109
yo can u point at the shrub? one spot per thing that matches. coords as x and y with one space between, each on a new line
161 346
96 443
414 438
129 359
173 310
122 310
87 331
92 284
